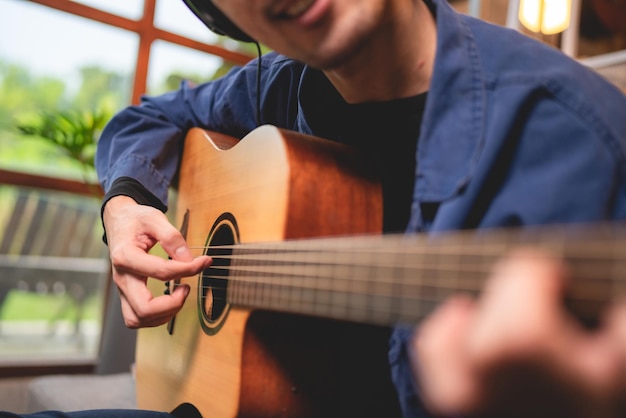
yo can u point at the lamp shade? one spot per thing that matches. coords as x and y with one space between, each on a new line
545 16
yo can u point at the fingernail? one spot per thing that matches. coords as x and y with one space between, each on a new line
182 252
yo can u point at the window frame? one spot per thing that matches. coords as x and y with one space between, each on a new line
147 33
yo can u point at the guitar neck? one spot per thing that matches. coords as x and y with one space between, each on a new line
389 279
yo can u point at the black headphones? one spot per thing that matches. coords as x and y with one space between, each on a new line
215 20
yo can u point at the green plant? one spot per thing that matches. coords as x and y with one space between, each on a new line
75 132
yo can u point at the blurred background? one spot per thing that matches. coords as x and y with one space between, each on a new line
65 68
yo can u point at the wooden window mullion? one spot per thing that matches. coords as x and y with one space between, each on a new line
146 38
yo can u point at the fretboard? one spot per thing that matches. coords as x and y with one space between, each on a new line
399 278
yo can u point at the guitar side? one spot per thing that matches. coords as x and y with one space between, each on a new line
276 185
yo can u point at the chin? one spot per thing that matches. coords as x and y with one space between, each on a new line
333 55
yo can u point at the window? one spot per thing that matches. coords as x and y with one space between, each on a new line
170 63
75 59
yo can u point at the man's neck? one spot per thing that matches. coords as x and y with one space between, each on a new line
397 63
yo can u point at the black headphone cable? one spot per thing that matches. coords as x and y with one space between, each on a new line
258 85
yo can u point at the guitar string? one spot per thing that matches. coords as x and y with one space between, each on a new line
588 250
376 312
462 263
605 249
285 260
465 280
585 267
595 252
385 309
440 286
597 292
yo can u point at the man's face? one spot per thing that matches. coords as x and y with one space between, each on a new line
322 33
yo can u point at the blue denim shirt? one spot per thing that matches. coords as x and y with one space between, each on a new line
513 133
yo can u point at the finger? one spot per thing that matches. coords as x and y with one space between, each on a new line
140 308
599 357
133 321
616 328
133 260
523 332
520 308
443 370
616 324
523 304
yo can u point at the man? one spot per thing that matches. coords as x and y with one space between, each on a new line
471 125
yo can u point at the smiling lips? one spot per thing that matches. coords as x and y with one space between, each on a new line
296 8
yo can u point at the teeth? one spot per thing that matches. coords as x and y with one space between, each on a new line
298 7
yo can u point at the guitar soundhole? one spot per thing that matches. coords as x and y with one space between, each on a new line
213 284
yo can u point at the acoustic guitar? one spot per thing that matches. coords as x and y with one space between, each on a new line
293 317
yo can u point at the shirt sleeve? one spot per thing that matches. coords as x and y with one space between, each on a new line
126 186
145 142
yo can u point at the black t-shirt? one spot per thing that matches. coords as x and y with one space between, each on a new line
386 131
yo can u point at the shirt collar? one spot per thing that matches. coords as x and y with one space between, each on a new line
451 136
453 126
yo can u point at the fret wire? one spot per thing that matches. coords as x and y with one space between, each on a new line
353 293
404 306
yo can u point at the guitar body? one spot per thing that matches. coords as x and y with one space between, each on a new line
271 186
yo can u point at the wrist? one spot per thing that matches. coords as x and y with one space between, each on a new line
116 202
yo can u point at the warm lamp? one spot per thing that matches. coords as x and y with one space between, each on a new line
545 16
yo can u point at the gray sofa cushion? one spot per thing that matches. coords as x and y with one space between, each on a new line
80 392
